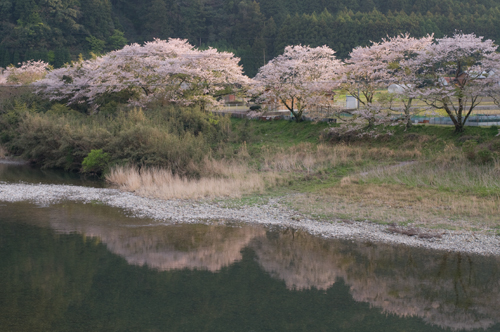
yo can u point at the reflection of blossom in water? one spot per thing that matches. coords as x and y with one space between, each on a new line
443 289
449 290
405 300
161 247
215 250
297 260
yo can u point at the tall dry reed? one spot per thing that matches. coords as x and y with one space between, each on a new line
222 178
3 152
226 180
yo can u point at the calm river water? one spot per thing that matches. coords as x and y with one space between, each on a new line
84 267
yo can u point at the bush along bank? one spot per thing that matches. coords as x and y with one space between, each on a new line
173 138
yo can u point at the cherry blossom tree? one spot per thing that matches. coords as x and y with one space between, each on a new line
401 49
375 67
73 83
301 78
170 71
29 72
3 76
454 74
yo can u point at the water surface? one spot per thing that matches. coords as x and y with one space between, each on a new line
15 172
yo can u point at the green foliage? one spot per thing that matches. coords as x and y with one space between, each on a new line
175 138
96 162
61 109
485 156
255 30
61 57
96 45
469 149
117 40
479 154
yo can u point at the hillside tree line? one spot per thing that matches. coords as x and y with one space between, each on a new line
58 31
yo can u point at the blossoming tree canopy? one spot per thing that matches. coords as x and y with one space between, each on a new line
400 49
455 73
375 67
170 71
371 67
29 72
302 77
365 71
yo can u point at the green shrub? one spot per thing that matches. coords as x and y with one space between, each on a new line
485 156
171 137
96 162
495 146
469 149
60 109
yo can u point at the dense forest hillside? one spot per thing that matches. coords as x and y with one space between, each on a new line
59 30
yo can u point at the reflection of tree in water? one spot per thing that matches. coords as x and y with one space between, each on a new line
300 260
164 248
13 171
450 290
193 247
43 278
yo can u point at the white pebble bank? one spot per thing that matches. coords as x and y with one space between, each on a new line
272 213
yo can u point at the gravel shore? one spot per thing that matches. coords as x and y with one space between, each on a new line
272 213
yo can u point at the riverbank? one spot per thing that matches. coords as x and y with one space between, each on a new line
12 162
415 184
272 213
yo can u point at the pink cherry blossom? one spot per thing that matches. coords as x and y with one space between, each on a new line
29 72
454 74
375 67
301 78
170 71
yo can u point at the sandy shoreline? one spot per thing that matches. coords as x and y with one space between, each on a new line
272 213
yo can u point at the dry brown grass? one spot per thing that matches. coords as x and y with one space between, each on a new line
401 204
3 152
222 179
447 191
449 171
309 158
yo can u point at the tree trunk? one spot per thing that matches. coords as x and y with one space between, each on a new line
459 127
298 117
457 121
408 115
408 123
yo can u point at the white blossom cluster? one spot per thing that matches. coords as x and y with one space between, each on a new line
170 71
301 78
29 72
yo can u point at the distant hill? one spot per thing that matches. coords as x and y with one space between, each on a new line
59 30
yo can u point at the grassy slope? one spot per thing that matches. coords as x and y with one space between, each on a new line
338 192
